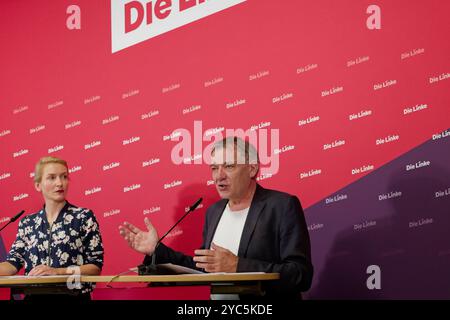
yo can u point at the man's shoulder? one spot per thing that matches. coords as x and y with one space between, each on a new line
279 202
272 195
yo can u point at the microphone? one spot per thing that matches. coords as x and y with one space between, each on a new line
152 268
17 216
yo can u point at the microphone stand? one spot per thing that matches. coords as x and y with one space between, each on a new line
152 269
12 220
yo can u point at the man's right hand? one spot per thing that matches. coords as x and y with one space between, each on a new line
141 241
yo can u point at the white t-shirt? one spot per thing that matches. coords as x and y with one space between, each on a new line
228 235
229 230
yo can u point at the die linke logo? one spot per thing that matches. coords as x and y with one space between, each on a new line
139 20
111 213
151 210
5 132
5 175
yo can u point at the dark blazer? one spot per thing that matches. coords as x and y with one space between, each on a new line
275 239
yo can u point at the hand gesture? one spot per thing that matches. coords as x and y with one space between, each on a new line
141 241
217 259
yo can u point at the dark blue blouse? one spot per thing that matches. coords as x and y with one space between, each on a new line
73 239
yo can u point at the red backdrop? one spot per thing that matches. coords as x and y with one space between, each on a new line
65 93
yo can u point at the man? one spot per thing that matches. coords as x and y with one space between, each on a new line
251 229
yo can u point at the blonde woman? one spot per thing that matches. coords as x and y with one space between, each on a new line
58 236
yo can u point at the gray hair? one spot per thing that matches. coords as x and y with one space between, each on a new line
242 146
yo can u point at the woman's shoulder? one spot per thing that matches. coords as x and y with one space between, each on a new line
79 212
31 218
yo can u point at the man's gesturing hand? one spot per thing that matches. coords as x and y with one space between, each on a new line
141 241
217 259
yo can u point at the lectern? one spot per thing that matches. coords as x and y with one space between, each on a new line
220 283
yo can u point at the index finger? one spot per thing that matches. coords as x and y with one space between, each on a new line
34 270
148 224
124 231
204 252
131 227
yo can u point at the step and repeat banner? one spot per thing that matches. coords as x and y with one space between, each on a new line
347 101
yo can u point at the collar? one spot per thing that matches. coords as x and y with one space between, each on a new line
60 216
256 207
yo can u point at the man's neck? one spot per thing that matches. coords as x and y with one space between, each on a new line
245 201
52 210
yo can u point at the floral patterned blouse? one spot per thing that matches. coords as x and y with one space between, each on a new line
72 240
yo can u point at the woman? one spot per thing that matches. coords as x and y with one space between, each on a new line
59 236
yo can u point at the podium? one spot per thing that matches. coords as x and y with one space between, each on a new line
2 250
220 283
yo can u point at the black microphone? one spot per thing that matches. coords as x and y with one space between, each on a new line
17 216
152 268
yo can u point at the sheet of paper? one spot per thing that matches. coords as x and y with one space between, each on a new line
179 269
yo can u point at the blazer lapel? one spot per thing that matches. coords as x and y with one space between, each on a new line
253 214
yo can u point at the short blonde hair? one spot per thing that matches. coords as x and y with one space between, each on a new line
44 161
